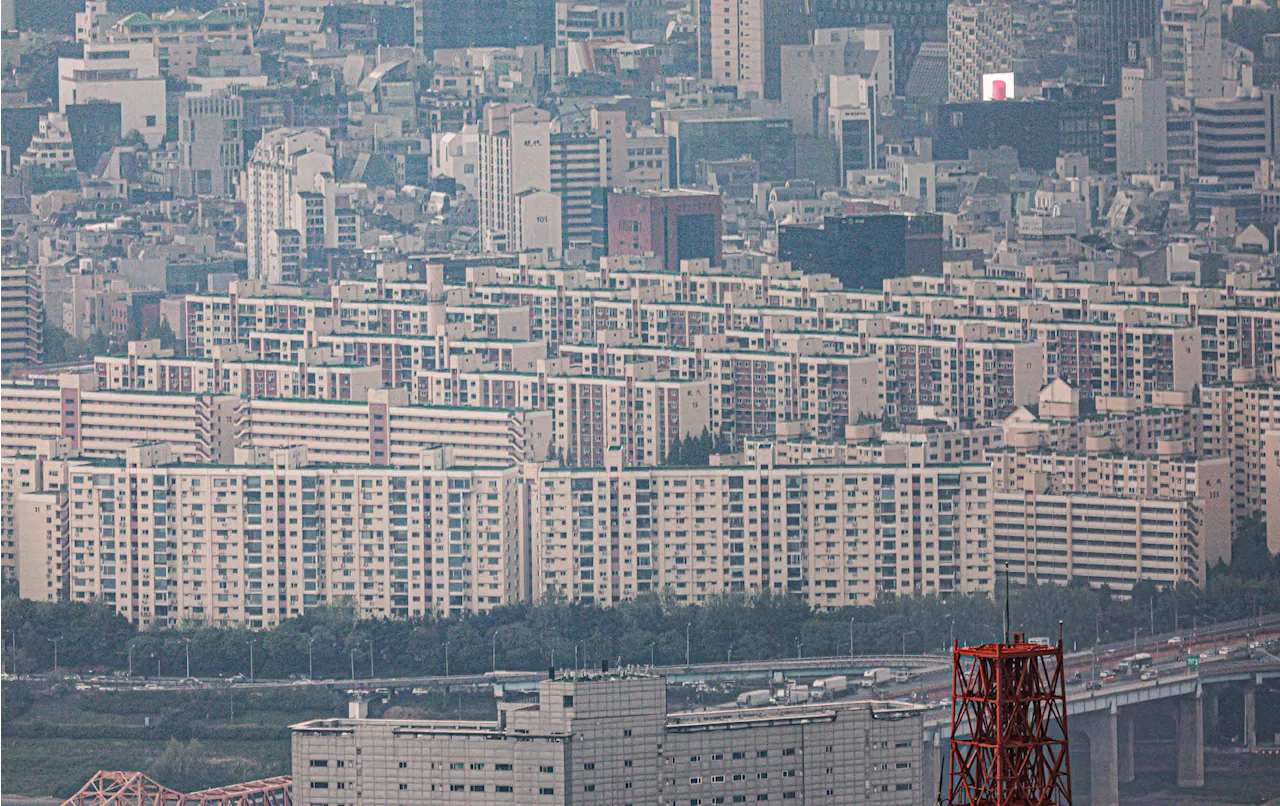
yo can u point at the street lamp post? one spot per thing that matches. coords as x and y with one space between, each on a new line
799 649
687 626
851 639
904 640
130 660
187 641
311 667
55 641
251 643
353 663
446 658
156 655
371 674
493 648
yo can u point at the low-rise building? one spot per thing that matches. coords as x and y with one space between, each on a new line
602 738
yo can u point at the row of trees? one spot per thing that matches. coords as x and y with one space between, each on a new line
331 643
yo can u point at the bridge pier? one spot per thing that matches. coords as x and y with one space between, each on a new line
1189 716
937 751
1104 779
1210 706
1251 716
1124 745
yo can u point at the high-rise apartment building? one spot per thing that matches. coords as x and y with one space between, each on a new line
746 41
836 536
292 204
270 536
980 40
515 180
21 318
1111 519
606 738
104 424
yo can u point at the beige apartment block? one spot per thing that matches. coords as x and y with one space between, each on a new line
1204 483
1237 418
32 506
230 371
836 535
606 738
273 535
1112 541
104 424
639 413
386 430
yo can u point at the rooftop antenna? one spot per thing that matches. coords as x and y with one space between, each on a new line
1006 603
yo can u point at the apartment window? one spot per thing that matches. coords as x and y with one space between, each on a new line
403 787
477 787
502 788
547 790
790 751
457 787
545 768
762 754
404 764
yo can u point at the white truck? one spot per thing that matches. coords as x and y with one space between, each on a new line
829 686
754 699
876 677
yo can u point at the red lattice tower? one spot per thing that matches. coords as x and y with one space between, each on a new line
1009 725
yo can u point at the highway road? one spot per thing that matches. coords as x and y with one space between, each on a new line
930 675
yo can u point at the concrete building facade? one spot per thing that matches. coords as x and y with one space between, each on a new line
601 738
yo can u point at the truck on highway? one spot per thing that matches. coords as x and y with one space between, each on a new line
1135 663
829 686
876 677
754 699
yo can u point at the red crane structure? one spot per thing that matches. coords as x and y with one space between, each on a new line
1009 725
113 788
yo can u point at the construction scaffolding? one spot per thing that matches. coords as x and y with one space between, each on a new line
1009 725
115 788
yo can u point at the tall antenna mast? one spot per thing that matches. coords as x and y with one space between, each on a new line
1006 603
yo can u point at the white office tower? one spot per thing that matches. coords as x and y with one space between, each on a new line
515 176
125 74
1191 48
210 144
292 204
979 41
1141 122
852 119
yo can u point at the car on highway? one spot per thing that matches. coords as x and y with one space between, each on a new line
1177 639
1150 674
1092 685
